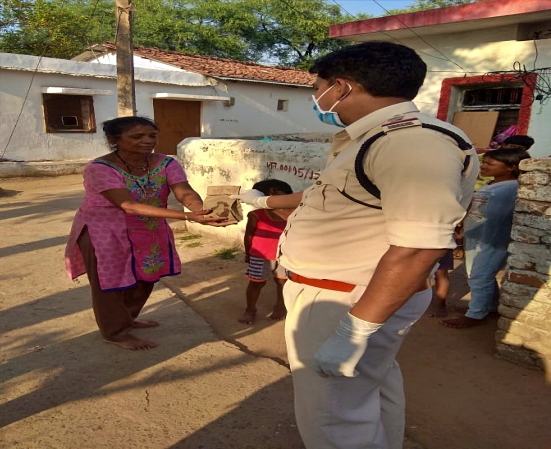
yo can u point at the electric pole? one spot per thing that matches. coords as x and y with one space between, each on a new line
126 92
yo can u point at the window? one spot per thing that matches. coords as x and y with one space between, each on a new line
282 105
69 113
484 106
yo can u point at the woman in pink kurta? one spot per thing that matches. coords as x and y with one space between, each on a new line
120 237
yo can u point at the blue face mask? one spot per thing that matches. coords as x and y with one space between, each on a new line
329 117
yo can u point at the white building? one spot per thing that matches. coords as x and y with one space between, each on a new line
489 64
52 109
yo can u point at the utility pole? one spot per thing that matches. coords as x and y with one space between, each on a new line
126 92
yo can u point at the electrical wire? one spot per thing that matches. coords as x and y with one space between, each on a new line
445 58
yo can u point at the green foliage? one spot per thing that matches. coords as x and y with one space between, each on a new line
194 244
54 28
422 5
284 32
226 253
190 237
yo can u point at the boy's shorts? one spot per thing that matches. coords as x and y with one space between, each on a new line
446 261
261 269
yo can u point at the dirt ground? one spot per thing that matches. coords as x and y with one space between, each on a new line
212 383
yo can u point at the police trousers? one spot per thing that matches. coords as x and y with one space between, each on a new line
363 412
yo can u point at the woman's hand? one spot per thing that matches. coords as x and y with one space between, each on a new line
202 217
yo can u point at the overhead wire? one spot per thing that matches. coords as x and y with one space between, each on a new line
444 58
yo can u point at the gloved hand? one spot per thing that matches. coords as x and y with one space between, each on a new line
340 354
252 197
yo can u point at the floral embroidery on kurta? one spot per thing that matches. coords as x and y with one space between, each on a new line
129 248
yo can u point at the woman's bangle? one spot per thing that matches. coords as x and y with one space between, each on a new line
191 202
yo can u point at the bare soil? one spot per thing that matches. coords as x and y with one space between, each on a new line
213 382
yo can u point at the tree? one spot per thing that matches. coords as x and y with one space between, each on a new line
422 5
288 32
55 28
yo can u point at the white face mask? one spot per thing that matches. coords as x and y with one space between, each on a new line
329 117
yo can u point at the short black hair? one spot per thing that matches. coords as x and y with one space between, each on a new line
511 157
269 186
117 126
383 69
525 141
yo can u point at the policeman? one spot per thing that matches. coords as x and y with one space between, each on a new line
359 261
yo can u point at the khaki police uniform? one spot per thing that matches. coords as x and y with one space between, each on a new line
424 195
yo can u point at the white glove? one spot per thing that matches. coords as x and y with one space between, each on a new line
340 354
253 197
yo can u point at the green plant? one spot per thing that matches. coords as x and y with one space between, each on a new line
190 237
194 244
226 253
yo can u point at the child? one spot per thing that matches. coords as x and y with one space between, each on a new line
264 226
487 233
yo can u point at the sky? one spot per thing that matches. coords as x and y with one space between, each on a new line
370 7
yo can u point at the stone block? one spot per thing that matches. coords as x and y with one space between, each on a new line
542 165
535 192
508 338
534 178
524 303
521 262
531 207
542 222
527 234
520 356
536 251
544 267
542 294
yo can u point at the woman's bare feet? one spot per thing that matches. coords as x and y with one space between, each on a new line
463 322
437 310
129 341
279 313
143 324
248 317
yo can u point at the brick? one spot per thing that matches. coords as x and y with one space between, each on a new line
534 192
531 278
534 178
533 221
526 234
531 207
542 165
546 239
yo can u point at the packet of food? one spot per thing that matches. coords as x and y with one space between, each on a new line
218 199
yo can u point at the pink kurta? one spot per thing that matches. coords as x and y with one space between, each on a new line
129 248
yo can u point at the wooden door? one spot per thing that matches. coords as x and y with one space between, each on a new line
478 125
177 120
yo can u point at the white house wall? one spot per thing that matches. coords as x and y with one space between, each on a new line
480 52
22 124
255 111
216 162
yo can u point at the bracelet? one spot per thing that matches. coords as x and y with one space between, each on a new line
191 202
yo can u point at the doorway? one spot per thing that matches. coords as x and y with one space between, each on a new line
177 120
